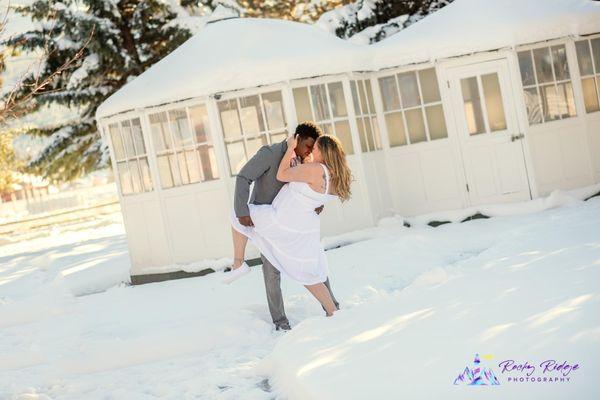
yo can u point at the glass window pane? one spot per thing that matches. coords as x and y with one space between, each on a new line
472 105
416 126
543 65
200 123
127 138
550 103
175 169
237 156
363 98
253 145
183 168
584 57
303 111
192 164
180 128
361 135
354 91
376 134
160 134
429 85
533 104
124 178
567 100
596 54
436 122
526 67
342 131
326 128
369 133
395 127
274 109
135 176
409 89
164 171
319 101
338 102
493 102
561 67
229 119
389 93
117 141
251 116
146 177
370 96
278 137
208 162
590 95
138 137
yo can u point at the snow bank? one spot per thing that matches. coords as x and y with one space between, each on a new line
470 26
417 303
530 294
396 224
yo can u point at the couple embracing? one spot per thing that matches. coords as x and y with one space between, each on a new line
293 180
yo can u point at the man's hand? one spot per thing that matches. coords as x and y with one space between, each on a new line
246 221
318 210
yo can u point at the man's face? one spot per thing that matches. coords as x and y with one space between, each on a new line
304 147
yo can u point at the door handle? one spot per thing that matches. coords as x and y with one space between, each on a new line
517 137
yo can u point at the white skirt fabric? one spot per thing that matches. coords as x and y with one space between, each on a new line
287 232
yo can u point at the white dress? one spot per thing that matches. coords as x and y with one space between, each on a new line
287 232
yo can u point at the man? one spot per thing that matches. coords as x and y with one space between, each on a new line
262 170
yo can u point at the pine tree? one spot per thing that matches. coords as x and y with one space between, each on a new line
119 39
369 21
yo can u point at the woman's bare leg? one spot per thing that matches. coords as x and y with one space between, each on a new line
239 247
321 293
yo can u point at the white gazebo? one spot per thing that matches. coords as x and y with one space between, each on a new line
482 102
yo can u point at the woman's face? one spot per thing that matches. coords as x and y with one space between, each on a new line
316 153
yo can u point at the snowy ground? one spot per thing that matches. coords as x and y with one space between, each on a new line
417 304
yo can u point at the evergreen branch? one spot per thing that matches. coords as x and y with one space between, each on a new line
14 105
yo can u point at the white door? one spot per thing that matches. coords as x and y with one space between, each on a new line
489 137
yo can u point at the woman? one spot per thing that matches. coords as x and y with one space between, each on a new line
287 232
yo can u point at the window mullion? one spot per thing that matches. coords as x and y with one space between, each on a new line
483 104
406 135
174 151
264 118
422 107
537 84
330 109
126 159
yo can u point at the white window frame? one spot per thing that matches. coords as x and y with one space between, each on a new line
547 45
596 69
415 69
127 159
268 132
307 83
371 114
209 142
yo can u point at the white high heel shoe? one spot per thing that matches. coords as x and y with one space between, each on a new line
236 273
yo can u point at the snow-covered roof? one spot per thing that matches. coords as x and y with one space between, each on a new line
236 54
469 26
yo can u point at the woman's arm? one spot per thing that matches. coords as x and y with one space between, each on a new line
309 173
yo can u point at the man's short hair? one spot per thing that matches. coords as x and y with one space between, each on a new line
308 129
